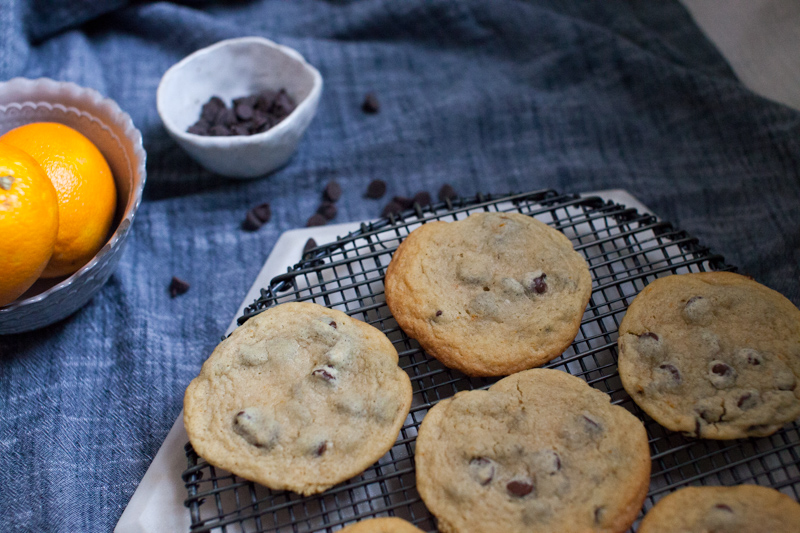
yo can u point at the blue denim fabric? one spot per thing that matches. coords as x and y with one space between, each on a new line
498 96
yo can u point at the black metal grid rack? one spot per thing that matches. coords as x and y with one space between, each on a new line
625 251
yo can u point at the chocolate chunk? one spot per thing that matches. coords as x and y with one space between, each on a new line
211 109
282 105
422 198
326 373
697 311
225 117
392 208
264 100
404 201
255 428
447 191
322 448
244 111
650 335
333 324
376 189
218 130
370 104
723 507
332 192
721 375
747 400
439 312
482 470
519 488
201 127
328 210
748 356
676 375
539 285
177 287
310 245
598 514
316 220
710 416
591 425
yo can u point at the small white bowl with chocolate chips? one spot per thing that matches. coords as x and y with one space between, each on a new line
240 107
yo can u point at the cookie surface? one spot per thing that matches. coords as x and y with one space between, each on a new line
740 509
489 295
715 355
382 525
539 451
300 397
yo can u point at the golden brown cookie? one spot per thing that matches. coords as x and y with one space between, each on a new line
714 355
540 451
489 295
300 398
382 525
740 509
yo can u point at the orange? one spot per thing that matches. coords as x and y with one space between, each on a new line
87 195
28 222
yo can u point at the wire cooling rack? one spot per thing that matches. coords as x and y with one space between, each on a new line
625 251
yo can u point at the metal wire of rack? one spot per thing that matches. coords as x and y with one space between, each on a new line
625 251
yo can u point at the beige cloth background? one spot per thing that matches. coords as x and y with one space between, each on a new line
760 39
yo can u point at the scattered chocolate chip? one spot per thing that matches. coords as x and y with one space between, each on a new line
598 514
676 375
422 198
748 356
439 313
404 201
310 245
333 324
328 210
519 488
482 470
392 208
693 299
6 182
316 220
324 374
251 222
201 127
447 191
723 507
370 104
539 284
332 192
376 189
177 287
322 448
263 212
649 334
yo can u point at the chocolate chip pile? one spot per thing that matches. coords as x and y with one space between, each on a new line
249 115
423 198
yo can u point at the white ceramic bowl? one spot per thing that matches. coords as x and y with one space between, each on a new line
23 101
231 69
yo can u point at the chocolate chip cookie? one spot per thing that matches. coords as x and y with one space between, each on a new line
382 525
489 295
714 355
540 451
740 509
300 397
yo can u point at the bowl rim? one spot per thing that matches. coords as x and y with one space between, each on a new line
124 121
210 141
